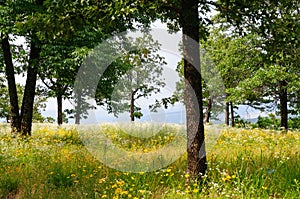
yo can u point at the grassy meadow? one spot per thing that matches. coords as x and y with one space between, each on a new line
242 163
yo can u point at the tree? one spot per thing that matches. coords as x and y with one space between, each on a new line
9 69
193 83
60 64
15 14
142 78
6 25
236 59
276 22
29 92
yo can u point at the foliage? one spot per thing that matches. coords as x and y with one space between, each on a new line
273 122
270 122
294 123
4 105
241 123
50 120
39 104
277 26
142 78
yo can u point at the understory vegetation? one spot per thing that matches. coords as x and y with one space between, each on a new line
242 163
269 122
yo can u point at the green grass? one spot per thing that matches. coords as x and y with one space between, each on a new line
54 163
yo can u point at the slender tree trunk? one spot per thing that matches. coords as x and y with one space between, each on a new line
283 104
227 113
132 107
59 110
15 120
77 118
193 86
29 92
78 110
232 114
208 110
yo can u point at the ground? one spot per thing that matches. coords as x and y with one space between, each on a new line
242 163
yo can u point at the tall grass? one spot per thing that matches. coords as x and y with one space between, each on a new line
54 163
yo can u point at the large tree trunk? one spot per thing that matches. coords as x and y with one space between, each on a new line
283 104
132 107
208 110
232 114
15 120
59 110
227 113
193 86
29 92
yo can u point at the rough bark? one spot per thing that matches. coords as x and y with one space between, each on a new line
132 106
29 92
15 120
208 110
232 114
227 113
193 89
283 104
59 110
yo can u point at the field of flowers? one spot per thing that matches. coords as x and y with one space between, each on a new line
54 163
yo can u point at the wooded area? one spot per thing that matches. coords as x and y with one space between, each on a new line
254 44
